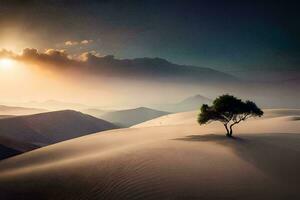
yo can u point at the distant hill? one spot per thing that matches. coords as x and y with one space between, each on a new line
94 112
127 118
188 104
12 110
155 69
48 128
56 105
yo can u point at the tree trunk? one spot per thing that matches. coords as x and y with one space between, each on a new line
229 133
230 130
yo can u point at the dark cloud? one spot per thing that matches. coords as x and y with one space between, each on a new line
6 53
52 57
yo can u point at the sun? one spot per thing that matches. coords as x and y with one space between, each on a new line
6 63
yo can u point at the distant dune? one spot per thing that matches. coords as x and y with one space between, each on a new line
127 118
188 104
95 112
171 119
281 112
48 128
179 161
11 110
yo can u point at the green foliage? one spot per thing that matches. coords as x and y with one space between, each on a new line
229 110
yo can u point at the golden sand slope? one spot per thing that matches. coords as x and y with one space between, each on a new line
179 161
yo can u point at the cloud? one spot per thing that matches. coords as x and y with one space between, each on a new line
84 42
71 43
85 56
59 56
49 54
7 54
50 58
75 43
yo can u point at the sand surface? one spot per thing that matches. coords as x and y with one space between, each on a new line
175 160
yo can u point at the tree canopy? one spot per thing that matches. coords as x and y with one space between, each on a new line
229 110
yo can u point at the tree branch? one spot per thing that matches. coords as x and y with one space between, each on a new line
226 118
241 118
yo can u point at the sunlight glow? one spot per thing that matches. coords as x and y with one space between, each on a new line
6 63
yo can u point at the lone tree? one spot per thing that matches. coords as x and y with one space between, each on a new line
229 110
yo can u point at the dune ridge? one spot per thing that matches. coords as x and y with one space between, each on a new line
25 133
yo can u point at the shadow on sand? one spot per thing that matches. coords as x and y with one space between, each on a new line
275 154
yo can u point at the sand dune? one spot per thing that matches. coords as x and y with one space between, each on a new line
48 128
183 161
11 147
171 119
6 152
18 145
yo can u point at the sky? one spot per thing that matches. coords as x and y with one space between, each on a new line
53 44
230 36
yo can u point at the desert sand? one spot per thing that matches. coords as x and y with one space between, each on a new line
177 159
